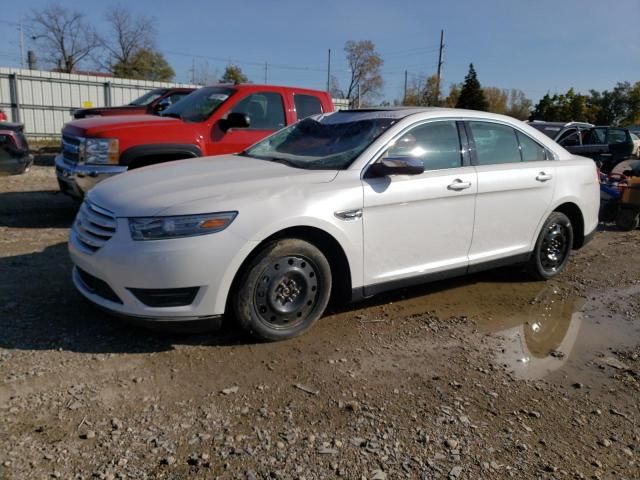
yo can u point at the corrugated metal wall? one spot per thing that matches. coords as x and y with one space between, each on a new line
43 101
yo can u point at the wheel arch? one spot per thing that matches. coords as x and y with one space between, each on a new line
574 213
324 241
143 155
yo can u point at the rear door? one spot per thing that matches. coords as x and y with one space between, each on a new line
266 112
620 144
515 188
594 144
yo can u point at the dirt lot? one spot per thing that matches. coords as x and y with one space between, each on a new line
489 376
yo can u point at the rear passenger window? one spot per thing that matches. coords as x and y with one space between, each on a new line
264 109
495 143
436 144
617 136
531 150
306 105
595 136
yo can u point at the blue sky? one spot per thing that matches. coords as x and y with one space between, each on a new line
536 46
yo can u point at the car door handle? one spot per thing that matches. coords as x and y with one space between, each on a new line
543 177
459 185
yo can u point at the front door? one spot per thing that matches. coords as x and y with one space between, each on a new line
515 188
419 225
266 114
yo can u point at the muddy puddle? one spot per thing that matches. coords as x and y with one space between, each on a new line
570 340
541 330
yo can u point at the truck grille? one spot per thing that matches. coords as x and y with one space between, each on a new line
94 226
71 148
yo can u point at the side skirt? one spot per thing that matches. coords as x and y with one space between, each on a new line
367 291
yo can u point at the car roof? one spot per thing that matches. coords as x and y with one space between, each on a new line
403 112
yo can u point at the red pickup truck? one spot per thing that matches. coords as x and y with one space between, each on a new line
152 102
211 121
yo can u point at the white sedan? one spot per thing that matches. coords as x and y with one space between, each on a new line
346 204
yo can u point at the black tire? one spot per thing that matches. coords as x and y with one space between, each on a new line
553 247
283 290
628 219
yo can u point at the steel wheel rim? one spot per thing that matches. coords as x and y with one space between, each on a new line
287 291
555 247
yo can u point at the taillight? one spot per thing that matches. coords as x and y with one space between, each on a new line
598 175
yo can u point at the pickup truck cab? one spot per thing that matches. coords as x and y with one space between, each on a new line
152 102
215 120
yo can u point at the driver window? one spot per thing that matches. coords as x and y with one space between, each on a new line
265 110
435 144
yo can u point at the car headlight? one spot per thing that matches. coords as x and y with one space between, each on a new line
158 228
101 150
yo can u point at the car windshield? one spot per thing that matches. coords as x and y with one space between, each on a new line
199 105
322 142
148 97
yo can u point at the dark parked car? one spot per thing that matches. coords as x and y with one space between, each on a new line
608 146
154 101
14 150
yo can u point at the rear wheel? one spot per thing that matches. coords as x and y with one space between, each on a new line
628 219
553 246
283 290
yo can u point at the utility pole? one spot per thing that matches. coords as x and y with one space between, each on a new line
193 70
329 72
266 68
439 66
404 97
21 44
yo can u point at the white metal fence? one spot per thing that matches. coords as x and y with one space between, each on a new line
43 101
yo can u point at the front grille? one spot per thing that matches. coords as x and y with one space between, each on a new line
165 297
71 148
98 287
94 226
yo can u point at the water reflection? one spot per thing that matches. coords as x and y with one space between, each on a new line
542 337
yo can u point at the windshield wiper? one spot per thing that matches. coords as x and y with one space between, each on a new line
283 161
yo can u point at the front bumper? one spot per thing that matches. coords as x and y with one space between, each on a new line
77 179
208 262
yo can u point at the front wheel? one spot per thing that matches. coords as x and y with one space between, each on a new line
283 290
553 246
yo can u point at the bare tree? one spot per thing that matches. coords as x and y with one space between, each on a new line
364 63
202 74
128 35
63 36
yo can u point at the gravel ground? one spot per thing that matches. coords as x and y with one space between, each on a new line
487 376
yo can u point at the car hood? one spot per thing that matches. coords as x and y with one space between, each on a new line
201 185
109 125
121 110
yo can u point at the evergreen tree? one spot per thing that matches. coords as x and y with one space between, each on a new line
471 96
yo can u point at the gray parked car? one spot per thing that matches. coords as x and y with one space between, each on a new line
607 146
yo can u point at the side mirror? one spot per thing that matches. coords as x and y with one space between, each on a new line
234 120
163 105
395 166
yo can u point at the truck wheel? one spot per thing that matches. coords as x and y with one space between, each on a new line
283 290
553 246
628 219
